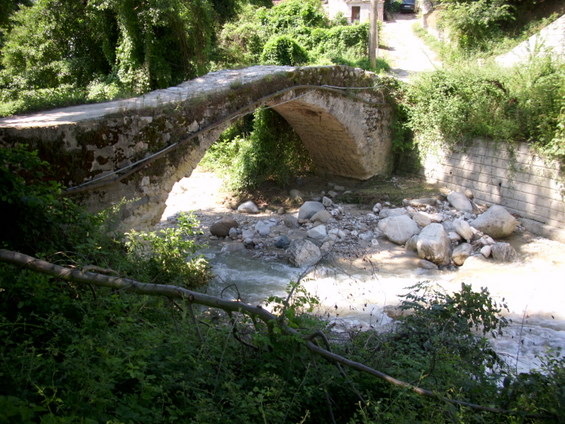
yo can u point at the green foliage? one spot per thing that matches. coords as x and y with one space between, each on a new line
271 151
73 353
168 256
519 104
40 219
130 47
282 50
542 390
50 43
294 307
463 311
279 34
472 24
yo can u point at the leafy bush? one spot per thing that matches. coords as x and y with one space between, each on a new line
519 104
472 24
268 150
40 219
273 36
169 255
283 50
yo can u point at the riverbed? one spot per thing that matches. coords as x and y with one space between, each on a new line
361 290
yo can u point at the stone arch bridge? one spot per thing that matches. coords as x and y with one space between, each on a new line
139 148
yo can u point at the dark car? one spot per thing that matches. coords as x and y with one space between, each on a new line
408 6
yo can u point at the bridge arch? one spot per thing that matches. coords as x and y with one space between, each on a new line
139 148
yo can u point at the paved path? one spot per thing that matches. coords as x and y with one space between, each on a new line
404 50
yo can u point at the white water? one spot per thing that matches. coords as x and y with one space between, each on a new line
535 298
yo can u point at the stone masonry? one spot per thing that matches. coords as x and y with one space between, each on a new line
513 176
136 149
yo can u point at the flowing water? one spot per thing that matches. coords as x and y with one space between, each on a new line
363 292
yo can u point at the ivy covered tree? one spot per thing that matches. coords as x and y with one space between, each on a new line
141 45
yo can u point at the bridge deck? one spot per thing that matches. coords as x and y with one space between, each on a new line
211 83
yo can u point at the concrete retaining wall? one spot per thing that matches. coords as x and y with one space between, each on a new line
513 176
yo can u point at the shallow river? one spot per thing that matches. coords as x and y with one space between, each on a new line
357 294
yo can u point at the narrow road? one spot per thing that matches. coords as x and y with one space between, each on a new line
404 50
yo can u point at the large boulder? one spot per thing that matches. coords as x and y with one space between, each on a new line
309 209
303 253
322 216
496 222
434 245
398 229
460 201
222 228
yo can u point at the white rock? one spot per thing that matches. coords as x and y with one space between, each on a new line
387 213
338 233
454 237
309 209
411 244
248 207
318 233
503 252
422 219
496 222
303 253
463 228
290 221
434 245
234 233
377 208
326 247
486 251
327 202
427 264
459 201
322 216
398 229
264 227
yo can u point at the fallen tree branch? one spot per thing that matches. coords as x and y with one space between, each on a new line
229 306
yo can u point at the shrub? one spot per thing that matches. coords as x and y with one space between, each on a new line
293 32
524 103
283 50
271 151
473 24
168 256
